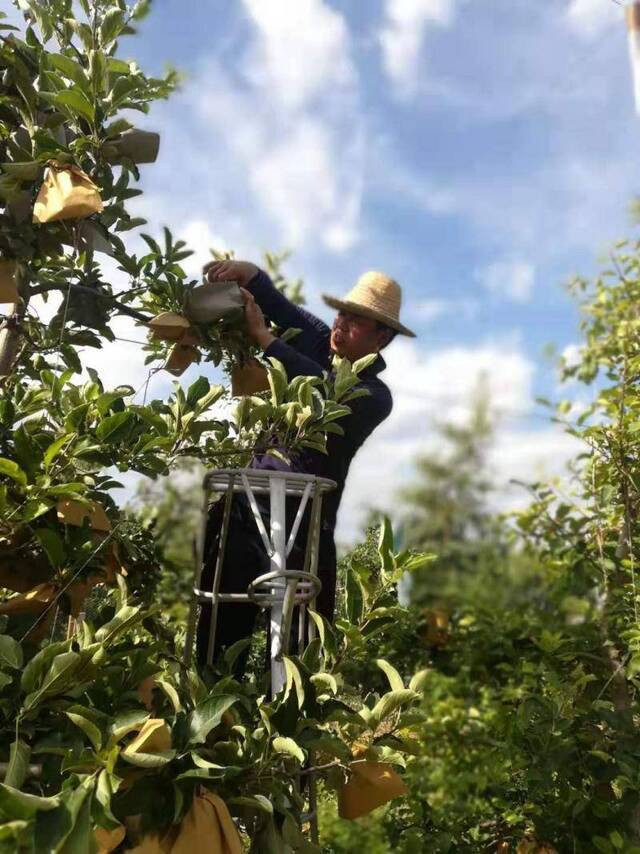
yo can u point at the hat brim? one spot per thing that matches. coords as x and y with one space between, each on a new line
372 314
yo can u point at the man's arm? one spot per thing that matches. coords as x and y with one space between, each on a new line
313 340
295 363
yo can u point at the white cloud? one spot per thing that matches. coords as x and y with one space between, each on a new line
200 239
299 181
428 310
403 34
288 127
428 388
572 355
303 50
528 456
512 279
589 18
122 362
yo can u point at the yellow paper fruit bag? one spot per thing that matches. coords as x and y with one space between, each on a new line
168 326
74 513
371 785
249 379
437 633
181 356
108 840
32 602
66 193
8 288
207 827
154 737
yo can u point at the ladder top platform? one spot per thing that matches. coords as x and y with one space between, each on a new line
259 480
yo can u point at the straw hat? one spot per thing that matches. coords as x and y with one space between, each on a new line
374 295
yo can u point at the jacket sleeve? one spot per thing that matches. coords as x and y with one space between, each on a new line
313 339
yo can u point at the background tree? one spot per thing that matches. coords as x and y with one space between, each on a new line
530 739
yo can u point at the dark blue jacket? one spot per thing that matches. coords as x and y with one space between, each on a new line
309 354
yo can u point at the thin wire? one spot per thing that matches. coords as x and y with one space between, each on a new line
152 371
62 590
5 317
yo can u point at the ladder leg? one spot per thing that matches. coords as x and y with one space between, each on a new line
278 494
217 577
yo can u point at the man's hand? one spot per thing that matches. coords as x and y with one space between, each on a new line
225 271
257 327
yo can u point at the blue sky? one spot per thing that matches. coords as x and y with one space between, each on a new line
480 152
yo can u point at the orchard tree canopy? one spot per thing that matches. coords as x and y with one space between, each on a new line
107 740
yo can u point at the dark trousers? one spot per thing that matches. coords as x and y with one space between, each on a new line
245 559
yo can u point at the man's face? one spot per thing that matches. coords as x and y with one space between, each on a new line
353 336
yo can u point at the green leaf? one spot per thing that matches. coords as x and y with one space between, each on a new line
67 829
13 471
293 677
391 702
19 805
325 632
395 680
385 545
288 747
278 381
111 26
76 102
106 788
418 680
55 447
197 390
58 678
18 768
148 760
329 744
88 728
10 652
34 509
171 693
127 722
208 715
39 663
11 831
126 617
52 543
113 427
233 652
617 840
354 597
71 69
364 362
325 680
257 802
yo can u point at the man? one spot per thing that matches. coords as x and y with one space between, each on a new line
368 319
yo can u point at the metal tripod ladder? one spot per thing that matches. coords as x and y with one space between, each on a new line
281 589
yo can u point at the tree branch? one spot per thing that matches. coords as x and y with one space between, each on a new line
123 309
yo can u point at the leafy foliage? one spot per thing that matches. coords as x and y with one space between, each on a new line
530 736
104 729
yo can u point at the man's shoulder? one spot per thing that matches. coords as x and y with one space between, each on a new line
380 393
